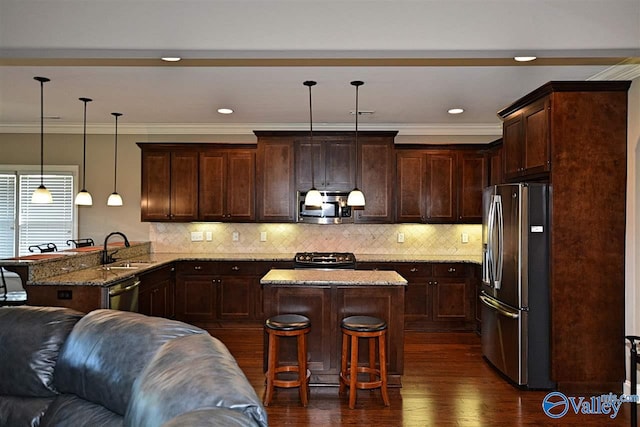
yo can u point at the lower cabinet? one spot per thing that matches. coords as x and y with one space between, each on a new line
438 296
221 291
156 292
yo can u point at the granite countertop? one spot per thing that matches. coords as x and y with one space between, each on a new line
77 273
333 277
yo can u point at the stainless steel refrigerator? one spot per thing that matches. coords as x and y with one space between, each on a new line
515 282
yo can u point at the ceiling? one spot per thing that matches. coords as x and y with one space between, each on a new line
417 59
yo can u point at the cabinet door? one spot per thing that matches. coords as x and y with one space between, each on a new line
275 198
512 145
156 186
240 186
495 165
410 170
184 186
196 298
472 178
304 156
376 179
537 138
339 165
156 296
441 194
451 300
234 297
212 185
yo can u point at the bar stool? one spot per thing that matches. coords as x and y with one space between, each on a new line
287 325
354 328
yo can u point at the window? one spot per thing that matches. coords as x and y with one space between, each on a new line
23 223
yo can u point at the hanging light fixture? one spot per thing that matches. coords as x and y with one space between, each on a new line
84 198
41 194
356 197
313 196
114 198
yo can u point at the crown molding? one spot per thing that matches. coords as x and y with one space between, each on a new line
248 128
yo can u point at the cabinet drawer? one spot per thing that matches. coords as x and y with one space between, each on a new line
197 267
450 270
239 268
411 270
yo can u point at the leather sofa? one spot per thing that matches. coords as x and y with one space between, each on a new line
59 367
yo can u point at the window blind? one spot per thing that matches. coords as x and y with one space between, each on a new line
7 215
45 223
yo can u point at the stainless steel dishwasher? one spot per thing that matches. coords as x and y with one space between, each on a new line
124 295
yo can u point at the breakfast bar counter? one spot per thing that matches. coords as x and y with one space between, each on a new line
328 296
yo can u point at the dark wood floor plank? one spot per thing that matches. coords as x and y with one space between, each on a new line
446 383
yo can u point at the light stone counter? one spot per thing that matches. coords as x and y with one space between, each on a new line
318 277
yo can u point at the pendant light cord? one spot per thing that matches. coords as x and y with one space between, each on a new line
115 167
42 131
357 84
84 144
310 83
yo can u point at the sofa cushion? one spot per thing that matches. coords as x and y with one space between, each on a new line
107 350
68 410
23 411
219 417
199 367
30 342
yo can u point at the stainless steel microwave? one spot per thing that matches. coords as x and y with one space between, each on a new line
334 209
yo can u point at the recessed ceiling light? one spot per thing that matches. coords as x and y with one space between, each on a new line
225 110
171 58
455 111
525 58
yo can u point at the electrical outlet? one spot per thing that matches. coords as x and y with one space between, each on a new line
400 237
465 237
197 236
209 235
263 236
235 236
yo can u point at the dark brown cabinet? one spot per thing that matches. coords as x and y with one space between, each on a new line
196 291
227 185
275 174
376 177
169 185
526 141
495 163
438 296
333 162
440 186
574 135
156 292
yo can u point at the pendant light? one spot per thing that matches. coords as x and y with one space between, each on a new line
356 197
114 198
313 196
84 198
41 194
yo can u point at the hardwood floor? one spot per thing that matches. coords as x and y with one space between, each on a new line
446 383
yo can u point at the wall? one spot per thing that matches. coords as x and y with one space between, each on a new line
419 239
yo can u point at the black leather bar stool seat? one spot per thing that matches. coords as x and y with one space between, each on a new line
287 325
374 330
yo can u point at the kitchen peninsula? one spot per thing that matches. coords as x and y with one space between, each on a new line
327 296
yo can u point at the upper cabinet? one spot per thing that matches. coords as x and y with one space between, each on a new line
275 174
334 162
440 186
197 182
227 185
526 141
169 185
376 173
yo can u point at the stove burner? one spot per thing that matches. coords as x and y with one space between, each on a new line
324 260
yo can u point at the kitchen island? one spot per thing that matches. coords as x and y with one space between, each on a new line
326 297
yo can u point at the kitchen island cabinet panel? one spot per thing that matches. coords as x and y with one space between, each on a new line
156 292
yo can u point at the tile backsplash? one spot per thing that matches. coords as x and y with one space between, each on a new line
419 239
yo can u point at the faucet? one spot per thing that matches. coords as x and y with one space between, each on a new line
108 258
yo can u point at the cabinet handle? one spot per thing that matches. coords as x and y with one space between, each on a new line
413 269
235 268
452 270
197 267
435 283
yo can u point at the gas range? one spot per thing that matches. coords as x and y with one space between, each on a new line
324 260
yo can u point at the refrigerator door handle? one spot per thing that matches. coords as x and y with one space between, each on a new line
499 307
500 251
488 264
